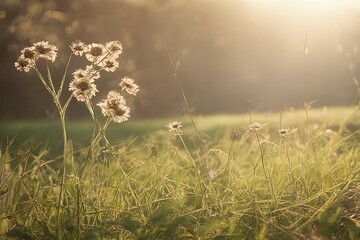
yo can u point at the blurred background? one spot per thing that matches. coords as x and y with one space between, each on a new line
275 53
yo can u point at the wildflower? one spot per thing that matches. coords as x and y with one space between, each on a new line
174 127
110 65
329 131
78 47
88 72
114 48
95 52
283 132
29 53
114 106
212 174
24 64
45 50
255 126
129 85
83 88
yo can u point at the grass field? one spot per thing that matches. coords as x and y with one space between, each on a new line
239 181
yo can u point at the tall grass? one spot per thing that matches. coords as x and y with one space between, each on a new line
290 177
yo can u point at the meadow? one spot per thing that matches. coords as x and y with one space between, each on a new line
289 174
242 182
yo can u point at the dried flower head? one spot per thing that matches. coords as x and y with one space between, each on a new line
129 86
283 132
83 88
95 52
78 47
24 64
114 106
89 72
114 48
212 174
29 53
110 65
175 127
255 126
45 50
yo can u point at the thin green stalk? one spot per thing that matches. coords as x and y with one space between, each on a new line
268 179
184 96
290 168
64 77
63 173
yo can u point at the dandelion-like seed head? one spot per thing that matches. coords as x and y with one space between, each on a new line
175 127
78 47
212 174
283 132
110 65
94 52
114 106
24 64
129 86
83 88
45 50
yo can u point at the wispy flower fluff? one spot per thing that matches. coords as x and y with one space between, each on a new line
83 88
45 50
24 64
110 65
78 47
174 127
95 52
129 86
114 106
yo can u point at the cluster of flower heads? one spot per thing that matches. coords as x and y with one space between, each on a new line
30 55
102 57
83 87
